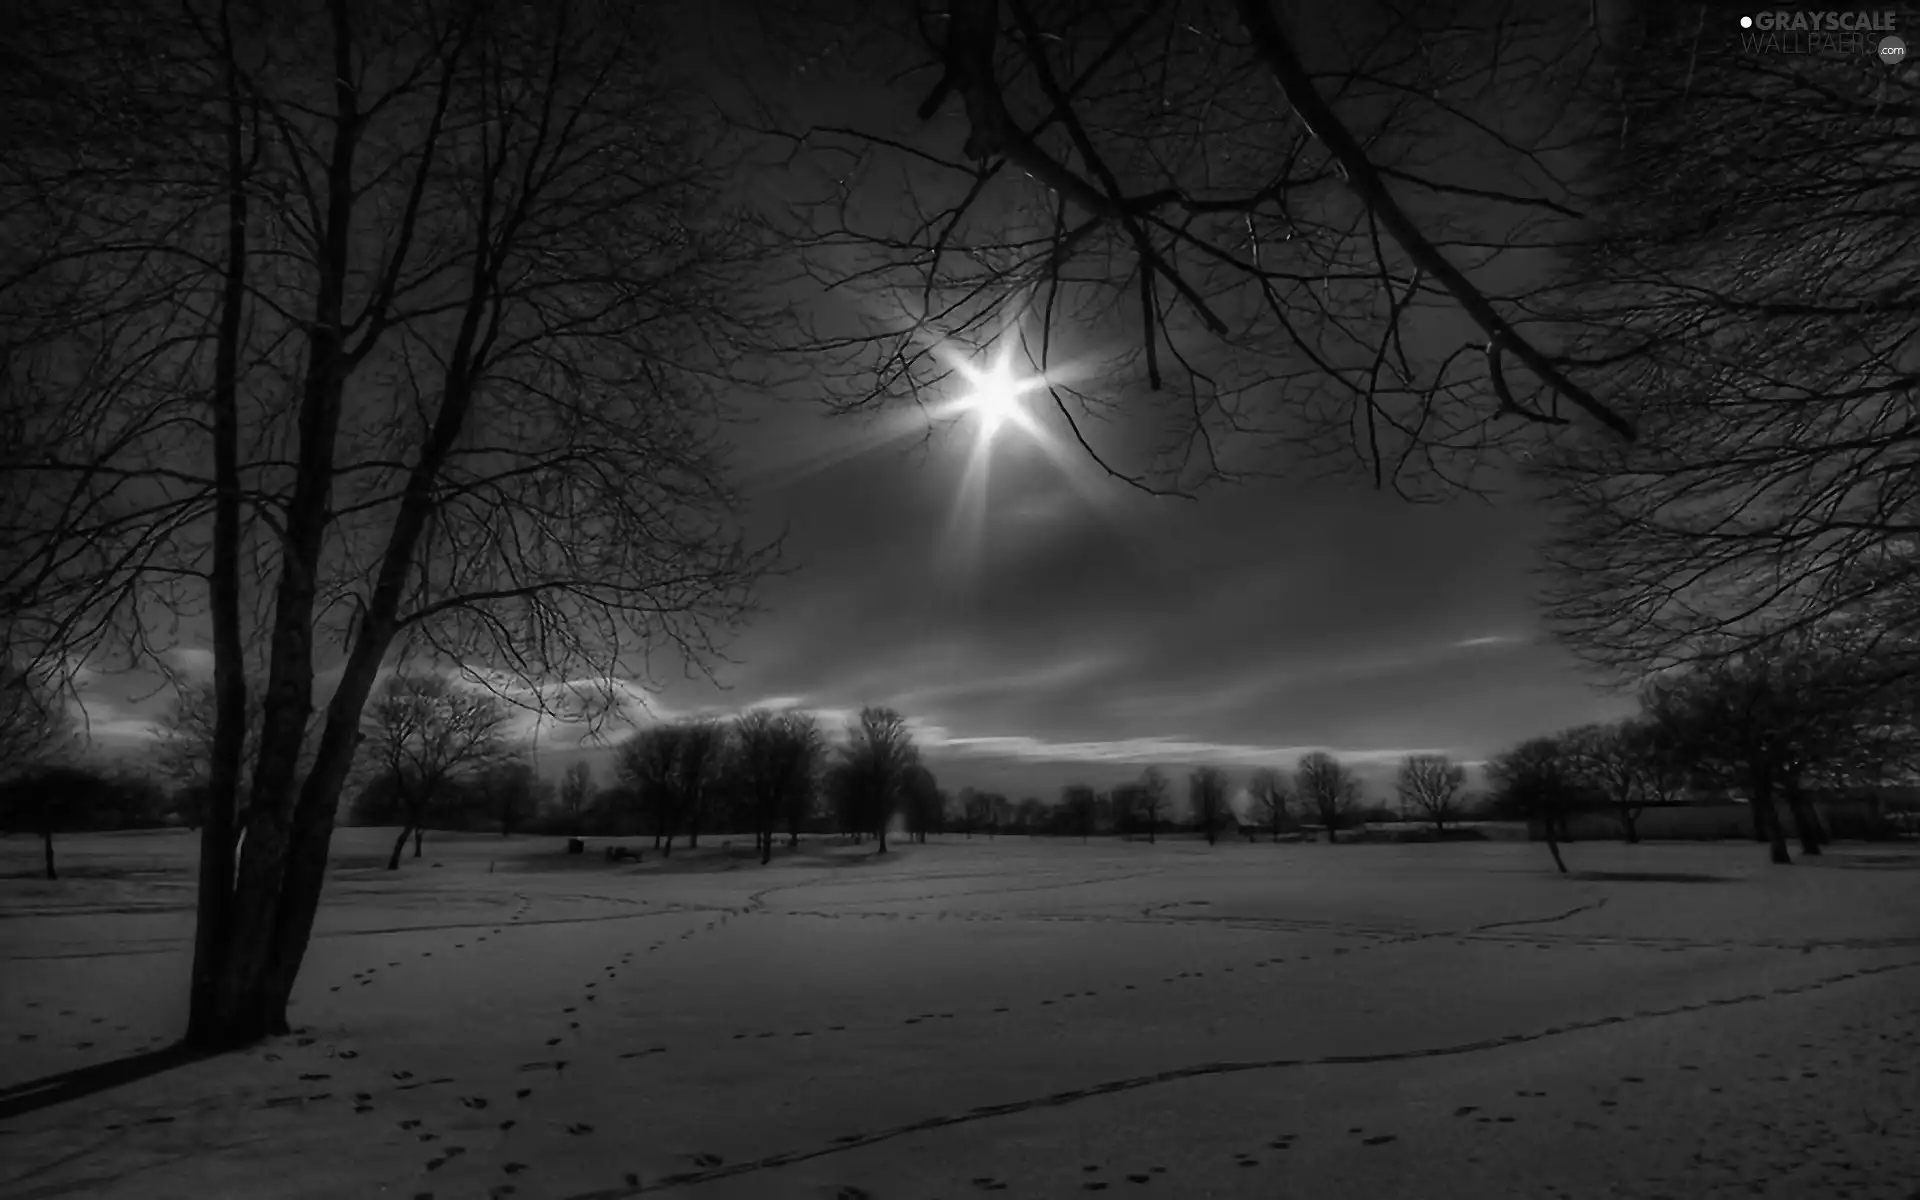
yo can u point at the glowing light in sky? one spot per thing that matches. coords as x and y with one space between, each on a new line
996 395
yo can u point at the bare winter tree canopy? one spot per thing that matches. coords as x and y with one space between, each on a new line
1430 785
354 326
1747 291
1328 788
36 727
426 732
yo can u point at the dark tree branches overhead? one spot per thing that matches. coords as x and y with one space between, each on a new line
1178 220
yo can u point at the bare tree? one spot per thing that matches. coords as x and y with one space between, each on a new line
1537 781
576 794
37 729
1768 719
1655 747
999 813
426 732
702 751
1607 759
757 737
648 765
49 798
779 755
801 764
1268 791
361 330
507 792
1126 808
921 801
1077 801
1153 799
1030 815
1207 793
1326 785
876 758
1431 784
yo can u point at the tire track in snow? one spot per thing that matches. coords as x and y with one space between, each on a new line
1134 1083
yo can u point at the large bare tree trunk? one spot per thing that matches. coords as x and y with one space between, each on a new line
1806 823
220 823
399 847
245 1002
1766 815
1553 846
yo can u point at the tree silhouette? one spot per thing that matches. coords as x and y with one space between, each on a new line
576 794
1326 785
875 761
1431 785
426 733
1268 791
1152 799
360 332
1207 793
1537 781
779 757
649 765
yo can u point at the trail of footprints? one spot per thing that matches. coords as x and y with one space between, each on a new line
90 1025
404 1081
366 977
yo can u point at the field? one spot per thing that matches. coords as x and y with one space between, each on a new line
1023 1017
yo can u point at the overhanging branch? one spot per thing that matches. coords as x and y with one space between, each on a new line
1276 51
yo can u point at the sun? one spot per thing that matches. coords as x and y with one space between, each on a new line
996 395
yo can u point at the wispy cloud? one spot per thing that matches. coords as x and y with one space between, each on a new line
1162 750
1492 639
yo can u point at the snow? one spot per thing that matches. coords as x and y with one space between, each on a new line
1024 1017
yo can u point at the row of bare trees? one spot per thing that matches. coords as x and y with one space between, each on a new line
1320 787
770 771
1774 724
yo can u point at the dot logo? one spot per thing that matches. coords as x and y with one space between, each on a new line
1892 50
1746 22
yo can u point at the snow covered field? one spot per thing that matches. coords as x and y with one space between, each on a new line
1027 1018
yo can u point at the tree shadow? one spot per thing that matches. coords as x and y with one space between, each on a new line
1648 877
1883 861
81 1082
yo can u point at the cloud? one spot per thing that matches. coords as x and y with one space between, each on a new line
193 661
1493 639
1163 750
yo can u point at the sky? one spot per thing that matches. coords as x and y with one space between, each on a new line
1044 625
1053 627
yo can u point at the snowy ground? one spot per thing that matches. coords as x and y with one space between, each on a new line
1030 1018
